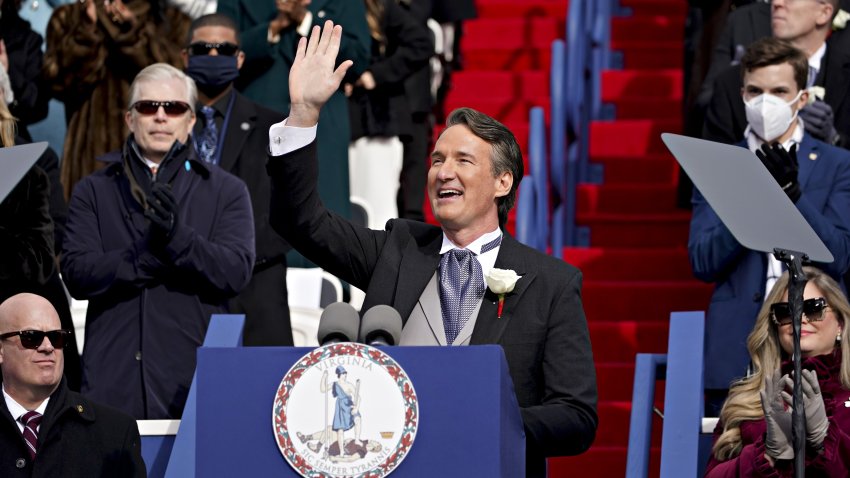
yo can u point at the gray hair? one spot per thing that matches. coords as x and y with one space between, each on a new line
506 156
159 72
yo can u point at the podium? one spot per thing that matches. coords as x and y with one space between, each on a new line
469 424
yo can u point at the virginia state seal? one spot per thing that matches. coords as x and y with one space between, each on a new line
345 410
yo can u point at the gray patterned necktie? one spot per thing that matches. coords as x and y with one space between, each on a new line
209 135
461 287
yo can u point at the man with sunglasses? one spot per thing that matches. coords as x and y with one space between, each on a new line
45 428
231 132
157 241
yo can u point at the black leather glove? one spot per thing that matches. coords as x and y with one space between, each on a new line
819 121
783 167
162 213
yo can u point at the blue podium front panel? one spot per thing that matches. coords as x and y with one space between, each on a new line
469 421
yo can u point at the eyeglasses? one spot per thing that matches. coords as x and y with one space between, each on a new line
32 339
172 108
203 48
813 309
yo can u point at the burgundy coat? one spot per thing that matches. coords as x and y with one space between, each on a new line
834 462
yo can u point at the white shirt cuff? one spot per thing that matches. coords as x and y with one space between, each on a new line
304 28
285 139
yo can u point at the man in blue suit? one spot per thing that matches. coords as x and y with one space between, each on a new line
816 177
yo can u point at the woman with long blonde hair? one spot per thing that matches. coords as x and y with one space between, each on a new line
753 437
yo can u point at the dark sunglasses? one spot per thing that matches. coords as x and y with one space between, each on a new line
32 339
172 108
813 309
203 48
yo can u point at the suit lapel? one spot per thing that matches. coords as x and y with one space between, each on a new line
243 113
835 76
807 156
415 270
489 327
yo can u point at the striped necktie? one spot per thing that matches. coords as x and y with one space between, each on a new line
31 420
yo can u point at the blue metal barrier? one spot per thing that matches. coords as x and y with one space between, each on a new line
682 367
540 175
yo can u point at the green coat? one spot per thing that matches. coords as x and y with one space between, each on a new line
265 78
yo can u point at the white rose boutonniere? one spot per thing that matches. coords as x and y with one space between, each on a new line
501 282
816 93
839 22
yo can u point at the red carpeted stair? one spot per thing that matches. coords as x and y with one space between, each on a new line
637 270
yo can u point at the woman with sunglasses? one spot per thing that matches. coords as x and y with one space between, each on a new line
753 437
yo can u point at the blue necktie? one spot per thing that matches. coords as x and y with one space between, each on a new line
461 287
209 135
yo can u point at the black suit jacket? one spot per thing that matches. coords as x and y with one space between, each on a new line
264 300
542 330
726 120
77 439
743 26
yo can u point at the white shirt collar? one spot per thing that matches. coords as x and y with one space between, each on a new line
816 58
754 142
17 410
475 246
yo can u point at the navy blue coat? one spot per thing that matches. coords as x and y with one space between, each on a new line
740 274
148 311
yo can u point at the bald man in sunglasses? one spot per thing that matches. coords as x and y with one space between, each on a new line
45 428
157 242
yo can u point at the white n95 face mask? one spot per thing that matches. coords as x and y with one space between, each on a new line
769 116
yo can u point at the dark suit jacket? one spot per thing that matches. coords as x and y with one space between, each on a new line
77 439
740 274
264 300
726 120
542 330
743 26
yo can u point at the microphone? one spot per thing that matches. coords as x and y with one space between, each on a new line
339 323
381 325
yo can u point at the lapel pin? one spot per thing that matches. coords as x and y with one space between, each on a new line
321 14
813 156
245 126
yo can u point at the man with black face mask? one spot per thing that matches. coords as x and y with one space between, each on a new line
231 132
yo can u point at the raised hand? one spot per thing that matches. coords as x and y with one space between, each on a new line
783 167
312 78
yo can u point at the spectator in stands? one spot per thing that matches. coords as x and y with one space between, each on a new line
807 25
45 428
270 30
417 90
381 119
157 241
815 176
21 59
233 133
427 272
94 49
32 222
753 436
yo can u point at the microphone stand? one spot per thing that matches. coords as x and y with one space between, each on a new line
796 285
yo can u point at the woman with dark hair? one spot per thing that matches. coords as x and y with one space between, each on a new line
753 437
381 119
94 50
